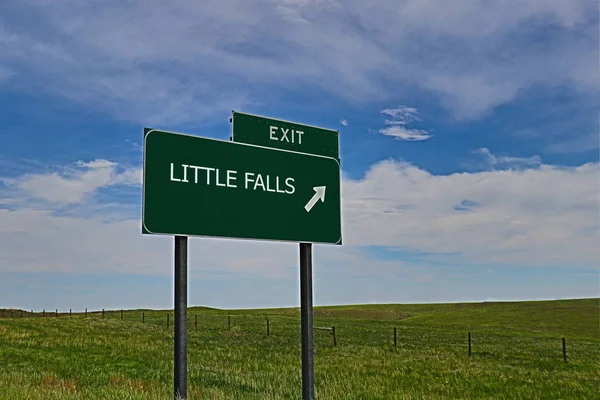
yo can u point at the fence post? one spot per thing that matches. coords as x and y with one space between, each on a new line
334 338
228 322
469 344
564 346
44 312
121 315
167 320
56 313
70 313
103 313
86 312
195 321
143 317
394 336
268 327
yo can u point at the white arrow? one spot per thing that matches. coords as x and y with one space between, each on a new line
319 195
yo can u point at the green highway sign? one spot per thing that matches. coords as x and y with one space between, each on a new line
195 186
279 134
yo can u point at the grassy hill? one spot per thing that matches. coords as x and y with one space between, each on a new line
575 318
516 353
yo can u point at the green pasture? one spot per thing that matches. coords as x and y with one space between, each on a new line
516 353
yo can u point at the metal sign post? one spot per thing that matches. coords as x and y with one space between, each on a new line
306 322
181 261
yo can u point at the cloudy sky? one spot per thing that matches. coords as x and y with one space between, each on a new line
469 141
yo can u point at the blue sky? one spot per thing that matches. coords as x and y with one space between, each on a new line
469 137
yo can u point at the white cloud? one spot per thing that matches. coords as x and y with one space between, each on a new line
96 164
474 55
73 185
400 117
119 247
507 161
400 132
542 216
401 114
344 122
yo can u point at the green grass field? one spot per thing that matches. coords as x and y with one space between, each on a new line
516 353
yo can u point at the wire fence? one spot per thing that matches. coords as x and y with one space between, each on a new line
333 332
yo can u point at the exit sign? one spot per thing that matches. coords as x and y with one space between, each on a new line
285 135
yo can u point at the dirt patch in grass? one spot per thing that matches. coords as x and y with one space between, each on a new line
121 382
52 382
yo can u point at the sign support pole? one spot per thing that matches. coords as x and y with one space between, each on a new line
306 322
180 338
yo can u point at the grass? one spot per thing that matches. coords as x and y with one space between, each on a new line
517 353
